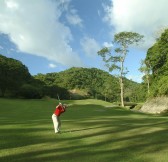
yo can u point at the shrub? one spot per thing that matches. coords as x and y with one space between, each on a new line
28 91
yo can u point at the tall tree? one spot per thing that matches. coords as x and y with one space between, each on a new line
145 68
115 60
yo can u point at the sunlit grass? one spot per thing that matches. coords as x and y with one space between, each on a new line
91 132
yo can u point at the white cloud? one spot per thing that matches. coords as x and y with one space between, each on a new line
51 65
142 16
35 27
11 4
73 18
89 46
107 44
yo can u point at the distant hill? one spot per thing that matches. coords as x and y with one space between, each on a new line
74 83
92 83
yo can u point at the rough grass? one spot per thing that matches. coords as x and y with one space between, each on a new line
91 132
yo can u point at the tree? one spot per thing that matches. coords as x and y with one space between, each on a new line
145 68
13 74
159 32
157 59
122 41
85 83
30 92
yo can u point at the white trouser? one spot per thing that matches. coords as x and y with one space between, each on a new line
56 122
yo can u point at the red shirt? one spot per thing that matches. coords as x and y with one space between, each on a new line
59 109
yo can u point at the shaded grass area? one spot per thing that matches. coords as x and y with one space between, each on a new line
91 131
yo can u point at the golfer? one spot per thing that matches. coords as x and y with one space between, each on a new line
56 116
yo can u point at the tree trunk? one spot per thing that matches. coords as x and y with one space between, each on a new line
121 83
148 86
122 91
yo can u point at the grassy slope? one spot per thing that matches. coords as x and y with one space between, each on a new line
90 132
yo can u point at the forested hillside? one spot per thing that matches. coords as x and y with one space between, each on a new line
94 83
16 81
13 74
73 83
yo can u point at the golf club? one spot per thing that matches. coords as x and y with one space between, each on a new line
59 99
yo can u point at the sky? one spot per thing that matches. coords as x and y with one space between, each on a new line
54 35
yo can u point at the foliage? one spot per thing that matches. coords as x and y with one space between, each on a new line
163 86
29 91
17 81
115 60
134 92
13 74
46 88
159 87
55 92
157 59
73 83
93 83
146 70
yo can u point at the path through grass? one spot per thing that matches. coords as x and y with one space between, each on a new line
91 132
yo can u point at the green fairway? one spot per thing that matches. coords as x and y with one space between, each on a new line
92 131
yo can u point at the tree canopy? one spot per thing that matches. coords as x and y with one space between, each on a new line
157 61
114 58
95 82
13 74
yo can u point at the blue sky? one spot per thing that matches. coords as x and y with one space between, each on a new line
54 35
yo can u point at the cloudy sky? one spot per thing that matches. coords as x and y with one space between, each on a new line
54 35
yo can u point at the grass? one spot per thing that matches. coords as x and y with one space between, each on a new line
92 131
